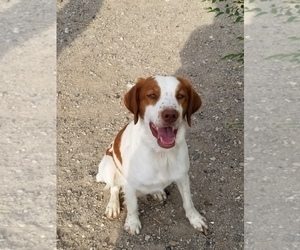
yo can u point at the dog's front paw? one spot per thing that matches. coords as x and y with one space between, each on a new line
160 196
132 225
198 221
113 209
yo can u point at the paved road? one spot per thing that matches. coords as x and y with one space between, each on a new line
28 109
272 141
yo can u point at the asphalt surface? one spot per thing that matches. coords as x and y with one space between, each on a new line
272 142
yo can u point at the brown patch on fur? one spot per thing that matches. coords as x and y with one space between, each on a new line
145 92
191 101
109 151
182 97
117 144
149 95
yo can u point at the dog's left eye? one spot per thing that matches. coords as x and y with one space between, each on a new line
180 96
152 96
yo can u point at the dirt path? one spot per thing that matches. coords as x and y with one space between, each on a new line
102 46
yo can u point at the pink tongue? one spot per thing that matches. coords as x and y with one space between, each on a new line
166 135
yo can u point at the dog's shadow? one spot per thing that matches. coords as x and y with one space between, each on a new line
202 65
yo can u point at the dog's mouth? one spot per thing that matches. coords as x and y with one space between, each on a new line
165 135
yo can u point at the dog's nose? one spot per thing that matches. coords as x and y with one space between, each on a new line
169 115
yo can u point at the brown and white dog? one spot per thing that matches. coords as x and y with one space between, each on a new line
150 152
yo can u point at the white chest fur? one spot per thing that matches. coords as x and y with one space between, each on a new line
152 171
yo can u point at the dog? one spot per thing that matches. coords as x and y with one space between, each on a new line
150 152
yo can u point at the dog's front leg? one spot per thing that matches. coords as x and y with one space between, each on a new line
132 223
197 221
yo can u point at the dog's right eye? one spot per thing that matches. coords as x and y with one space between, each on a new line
152 96
180 96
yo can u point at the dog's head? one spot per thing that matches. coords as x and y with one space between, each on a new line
163 102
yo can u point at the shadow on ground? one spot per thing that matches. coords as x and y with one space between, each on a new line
77 14
22 21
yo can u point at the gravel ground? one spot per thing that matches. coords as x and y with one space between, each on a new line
27 124
102 46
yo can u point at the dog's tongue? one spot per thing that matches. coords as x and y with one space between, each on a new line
166 135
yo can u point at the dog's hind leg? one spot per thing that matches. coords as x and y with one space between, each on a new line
113 207
108 173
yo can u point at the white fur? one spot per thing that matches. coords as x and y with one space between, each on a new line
148 168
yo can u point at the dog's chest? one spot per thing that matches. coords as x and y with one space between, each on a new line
153 172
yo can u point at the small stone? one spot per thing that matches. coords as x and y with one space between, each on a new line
147 237
207 129
237 198
207 203
66 30
104 244
293 83
16 30
195 155
173 243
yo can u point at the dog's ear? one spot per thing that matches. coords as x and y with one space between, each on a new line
194 104
194 100
131 99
